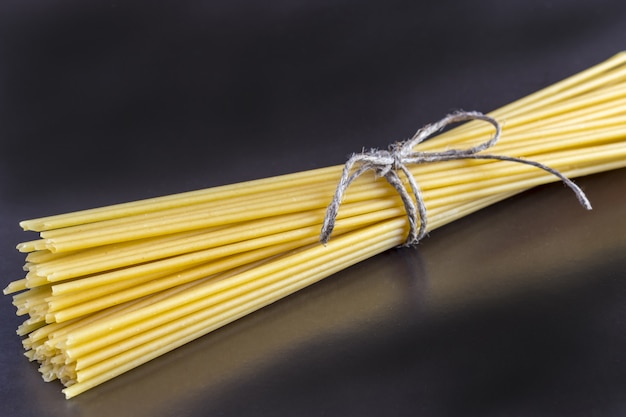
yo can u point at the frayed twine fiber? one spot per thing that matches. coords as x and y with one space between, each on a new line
389 164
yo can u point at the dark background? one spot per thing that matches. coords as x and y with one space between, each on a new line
517 310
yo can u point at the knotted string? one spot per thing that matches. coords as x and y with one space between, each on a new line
389 164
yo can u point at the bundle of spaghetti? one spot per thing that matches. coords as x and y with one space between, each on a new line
110 288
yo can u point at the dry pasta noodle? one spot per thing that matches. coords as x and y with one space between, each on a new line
110 288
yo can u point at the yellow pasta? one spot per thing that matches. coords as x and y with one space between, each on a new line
110 288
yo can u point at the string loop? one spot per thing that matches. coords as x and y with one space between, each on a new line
390 163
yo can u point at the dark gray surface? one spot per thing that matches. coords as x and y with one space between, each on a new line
517 310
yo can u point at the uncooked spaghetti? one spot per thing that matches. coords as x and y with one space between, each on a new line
108 289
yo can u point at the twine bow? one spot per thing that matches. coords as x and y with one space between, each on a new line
389 164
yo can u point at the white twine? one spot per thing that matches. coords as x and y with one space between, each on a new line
389 163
